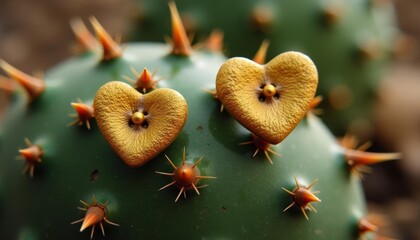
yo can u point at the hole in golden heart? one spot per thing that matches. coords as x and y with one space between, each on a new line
138 119
268 92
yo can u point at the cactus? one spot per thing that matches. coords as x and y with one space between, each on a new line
212 186
351 42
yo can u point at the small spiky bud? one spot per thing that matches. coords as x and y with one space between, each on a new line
33 86
261 53
95 214
145 81
357 157
185 177
86 42
215 41
302 197
261 145
32 156
111 50
84 113
180 43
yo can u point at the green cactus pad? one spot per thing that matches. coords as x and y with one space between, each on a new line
245 201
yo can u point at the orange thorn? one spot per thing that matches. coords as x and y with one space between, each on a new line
302 197
261 53
365 226
32 155
145 81
111 50
180 42
86 41
185 176
6 84
84 111
357 157
314 103
33 86
215 41
94 215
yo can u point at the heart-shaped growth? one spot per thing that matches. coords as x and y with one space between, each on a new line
139 126
269 100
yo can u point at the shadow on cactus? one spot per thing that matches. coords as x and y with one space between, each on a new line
213 187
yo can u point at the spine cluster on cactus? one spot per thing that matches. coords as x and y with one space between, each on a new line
249 197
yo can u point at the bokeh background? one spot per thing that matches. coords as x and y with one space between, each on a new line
35 35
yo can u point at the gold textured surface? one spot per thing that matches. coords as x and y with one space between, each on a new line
239 82
166 110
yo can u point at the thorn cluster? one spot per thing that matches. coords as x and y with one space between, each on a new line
263 146
84 113
302 197
111 49
86 42
33 86
358 159
95 214
145 81
32 155
185 177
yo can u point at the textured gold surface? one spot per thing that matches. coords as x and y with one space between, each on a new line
239 87
165 113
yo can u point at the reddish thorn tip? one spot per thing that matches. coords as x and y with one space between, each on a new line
215 41
111 50
357 157
94 215
86 41
262 52
365 226
33 86
180 42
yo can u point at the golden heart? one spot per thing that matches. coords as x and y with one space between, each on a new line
137 126
269 100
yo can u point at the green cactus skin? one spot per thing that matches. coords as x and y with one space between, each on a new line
334 45
246 201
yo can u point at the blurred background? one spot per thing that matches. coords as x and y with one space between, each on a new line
35 35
